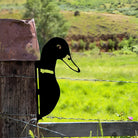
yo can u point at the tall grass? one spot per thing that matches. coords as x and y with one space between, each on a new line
98 100
104 66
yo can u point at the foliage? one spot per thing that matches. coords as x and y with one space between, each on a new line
49 21
127 46
74 45
111 44
82 44
135 49
123 44
92 45
95 51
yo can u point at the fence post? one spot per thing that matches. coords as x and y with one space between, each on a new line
18 52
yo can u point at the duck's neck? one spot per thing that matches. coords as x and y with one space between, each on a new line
48 62
49 57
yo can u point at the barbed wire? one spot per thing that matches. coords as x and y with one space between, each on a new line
64 118
5 116
16 76
96 80
19 115
73 79
57 117
34 120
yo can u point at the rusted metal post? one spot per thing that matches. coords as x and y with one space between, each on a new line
18 52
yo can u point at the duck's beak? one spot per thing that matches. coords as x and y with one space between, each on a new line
70 58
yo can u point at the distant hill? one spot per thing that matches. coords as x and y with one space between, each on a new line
98 20
100 27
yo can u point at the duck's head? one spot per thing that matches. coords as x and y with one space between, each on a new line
57 48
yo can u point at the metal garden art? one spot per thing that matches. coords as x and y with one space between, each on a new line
47 88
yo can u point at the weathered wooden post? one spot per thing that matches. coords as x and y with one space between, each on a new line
19 50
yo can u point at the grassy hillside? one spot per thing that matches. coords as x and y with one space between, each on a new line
96 24
12 1
127 7
96 28
12 9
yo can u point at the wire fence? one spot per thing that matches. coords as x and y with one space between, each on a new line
64 78
82 119
17 76
6 116
97 80
33 122
11 116
59 117
54 130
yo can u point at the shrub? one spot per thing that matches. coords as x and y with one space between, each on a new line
124 43
111 44
110 10
103 45
128 46
82 44
74 44
130 13
76 13
134 42
96 50
126 51
130 41
92 45
135 49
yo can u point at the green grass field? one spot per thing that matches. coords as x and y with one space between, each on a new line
98 100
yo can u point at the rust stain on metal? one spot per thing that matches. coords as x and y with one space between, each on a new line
18 40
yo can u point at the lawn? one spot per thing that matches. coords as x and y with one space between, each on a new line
92 100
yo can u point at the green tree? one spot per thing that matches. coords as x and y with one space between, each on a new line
49 21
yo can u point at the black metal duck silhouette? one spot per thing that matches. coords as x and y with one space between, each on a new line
47 88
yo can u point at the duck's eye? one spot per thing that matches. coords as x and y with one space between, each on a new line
59 47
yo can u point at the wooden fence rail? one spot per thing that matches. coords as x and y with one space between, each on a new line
86 129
